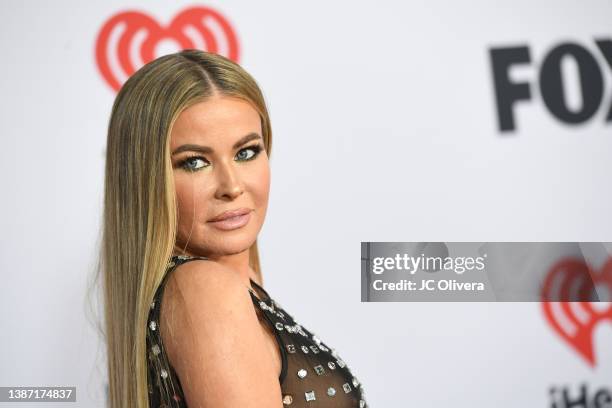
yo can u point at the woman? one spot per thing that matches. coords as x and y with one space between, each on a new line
186 193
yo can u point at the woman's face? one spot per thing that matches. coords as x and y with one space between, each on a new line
220 164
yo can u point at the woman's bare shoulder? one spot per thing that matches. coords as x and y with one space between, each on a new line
204 276
213 338
204 292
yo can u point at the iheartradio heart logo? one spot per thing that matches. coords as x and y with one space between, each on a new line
130 39
575 321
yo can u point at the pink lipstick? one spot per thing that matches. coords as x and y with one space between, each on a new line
230 220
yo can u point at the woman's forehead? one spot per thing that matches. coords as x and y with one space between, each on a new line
219 120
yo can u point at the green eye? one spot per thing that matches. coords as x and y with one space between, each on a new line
195 163
244 155
191 163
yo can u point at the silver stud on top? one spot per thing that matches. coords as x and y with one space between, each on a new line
346 387
290 348
302 373
287 399
305 349
319 370
361 403
331 365
341 363
355 382
164 373
152 305
310 396
279 326
152 325
331 391
156 350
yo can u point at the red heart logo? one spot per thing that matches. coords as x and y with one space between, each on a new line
575 321
128 39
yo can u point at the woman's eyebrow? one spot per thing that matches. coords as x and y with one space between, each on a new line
206 149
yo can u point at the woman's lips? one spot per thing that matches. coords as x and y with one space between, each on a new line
232 223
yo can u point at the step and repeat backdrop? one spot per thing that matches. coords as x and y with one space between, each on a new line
422 121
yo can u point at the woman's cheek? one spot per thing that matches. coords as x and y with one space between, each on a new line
185 201
261 186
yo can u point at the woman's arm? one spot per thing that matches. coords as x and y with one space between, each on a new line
214 341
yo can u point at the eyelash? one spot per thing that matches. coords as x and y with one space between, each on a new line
257 148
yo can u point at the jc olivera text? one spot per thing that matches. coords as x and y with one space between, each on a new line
429 285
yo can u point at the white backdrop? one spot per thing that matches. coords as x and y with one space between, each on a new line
385 129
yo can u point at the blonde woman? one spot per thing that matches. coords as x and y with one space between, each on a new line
188 322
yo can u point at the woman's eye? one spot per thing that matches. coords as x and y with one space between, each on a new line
193 163
245 155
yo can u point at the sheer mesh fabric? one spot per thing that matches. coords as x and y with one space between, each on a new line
312 374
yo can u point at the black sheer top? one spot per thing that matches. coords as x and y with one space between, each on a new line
312 375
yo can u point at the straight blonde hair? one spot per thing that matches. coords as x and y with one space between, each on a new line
140 217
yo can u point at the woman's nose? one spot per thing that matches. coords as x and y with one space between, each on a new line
229 184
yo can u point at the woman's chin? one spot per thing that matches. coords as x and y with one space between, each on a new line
213 241
230 243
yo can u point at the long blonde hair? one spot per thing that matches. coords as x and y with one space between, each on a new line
140 212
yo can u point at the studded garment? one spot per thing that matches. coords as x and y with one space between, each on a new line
312 375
